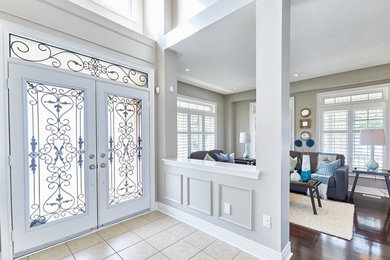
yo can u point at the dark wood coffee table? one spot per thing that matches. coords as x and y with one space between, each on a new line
312 185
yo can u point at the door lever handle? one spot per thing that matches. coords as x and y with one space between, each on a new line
103 165
92 167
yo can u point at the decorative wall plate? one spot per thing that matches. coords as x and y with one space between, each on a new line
305 112
305 136
305 123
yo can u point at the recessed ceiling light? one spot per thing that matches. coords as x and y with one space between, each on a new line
234 89
296 75
187 70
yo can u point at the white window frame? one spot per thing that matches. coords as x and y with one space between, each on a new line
350 106
252 129
190 112
252 126
133 21
134 6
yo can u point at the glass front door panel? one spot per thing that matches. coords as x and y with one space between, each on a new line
55 135
124 149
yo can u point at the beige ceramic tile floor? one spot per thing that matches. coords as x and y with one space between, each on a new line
151 236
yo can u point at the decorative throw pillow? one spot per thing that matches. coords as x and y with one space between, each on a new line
293 163
225 157
208 158
328 168
326 157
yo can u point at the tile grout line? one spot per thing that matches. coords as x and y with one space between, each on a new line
166 229
69 251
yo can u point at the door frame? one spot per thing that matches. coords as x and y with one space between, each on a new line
62 41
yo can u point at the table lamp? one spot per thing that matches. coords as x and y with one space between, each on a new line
372 137
245 138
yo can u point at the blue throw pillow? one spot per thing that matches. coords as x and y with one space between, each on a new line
225 157
328 168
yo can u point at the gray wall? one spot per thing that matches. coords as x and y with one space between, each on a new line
237 118
305 91
200 93
241 124
346 80
306 100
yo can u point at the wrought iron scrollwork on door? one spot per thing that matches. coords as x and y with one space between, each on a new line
38 52
124 149
55 131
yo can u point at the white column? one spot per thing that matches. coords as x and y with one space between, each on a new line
272 133
166 111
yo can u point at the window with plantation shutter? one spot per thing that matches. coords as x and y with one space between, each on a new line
364 118
343 116
334 137
196 126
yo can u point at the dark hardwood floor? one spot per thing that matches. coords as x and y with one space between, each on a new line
371 239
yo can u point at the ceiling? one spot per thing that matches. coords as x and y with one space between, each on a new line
327 37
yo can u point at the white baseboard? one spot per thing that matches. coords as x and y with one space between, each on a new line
370 190
286 252
242 243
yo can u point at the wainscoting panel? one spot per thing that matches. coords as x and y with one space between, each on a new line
199 195
174 187
238 201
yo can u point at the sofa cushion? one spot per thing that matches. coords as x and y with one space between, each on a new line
325 157
328 168
213 153
201 154
208 158
228 157
313 159
332 182
293 163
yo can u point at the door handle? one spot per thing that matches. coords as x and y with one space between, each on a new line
103 165
102 155
91 156
92 167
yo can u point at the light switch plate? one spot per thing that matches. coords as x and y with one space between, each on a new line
266 221
228 208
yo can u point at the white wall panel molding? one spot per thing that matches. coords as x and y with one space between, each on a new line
200 195
238 200
173 187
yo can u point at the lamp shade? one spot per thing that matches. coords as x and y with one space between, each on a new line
372 137
245 138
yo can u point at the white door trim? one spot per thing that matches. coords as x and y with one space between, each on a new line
119 58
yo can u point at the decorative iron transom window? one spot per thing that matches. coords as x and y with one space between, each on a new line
38 52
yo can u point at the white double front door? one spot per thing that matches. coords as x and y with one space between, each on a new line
79 154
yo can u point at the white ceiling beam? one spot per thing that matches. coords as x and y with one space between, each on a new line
205 18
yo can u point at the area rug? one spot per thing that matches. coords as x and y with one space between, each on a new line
334 218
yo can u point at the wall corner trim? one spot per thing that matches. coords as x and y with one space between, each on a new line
242 243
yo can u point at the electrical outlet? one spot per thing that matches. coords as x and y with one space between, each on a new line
228 208
266 221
